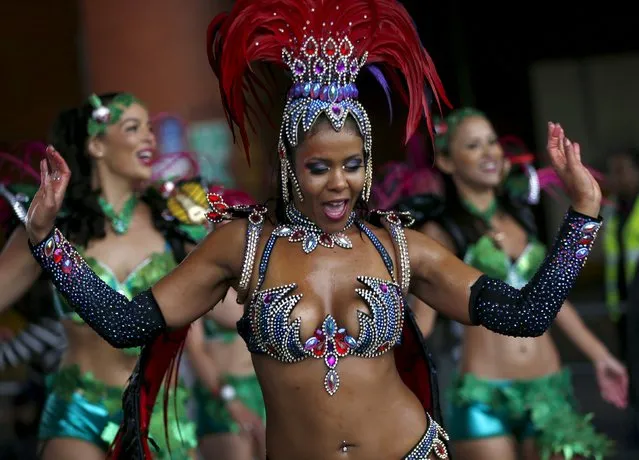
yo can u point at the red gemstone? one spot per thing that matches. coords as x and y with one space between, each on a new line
319 349
585 240
383 348
57 255
330 48
340 345
220 206
214 198
214 215
298 234
67 266
311 48
326 240
345 48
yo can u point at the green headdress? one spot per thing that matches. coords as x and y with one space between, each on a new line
445 127
106 115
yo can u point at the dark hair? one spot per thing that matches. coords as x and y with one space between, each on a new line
471 226
280 207
83 218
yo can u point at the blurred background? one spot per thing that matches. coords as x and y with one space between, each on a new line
523 65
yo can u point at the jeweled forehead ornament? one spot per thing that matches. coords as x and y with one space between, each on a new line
324 71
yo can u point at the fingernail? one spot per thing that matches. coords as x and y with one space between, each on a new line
49 148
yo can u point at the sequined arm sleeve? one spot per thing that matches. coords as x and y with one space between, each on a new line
122 323
529 312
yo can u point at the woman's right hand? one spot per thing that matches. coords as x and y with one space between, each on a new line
54 178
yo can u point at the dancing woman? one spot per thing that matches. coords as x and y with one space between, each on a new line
323 285
130 242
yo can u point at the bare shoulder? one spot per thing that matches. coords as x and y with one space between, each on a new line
225 245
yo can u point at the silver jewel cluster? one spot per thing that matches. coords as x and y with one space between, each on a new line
301 229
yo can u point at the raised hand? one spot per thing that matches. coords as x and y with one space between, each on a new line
54 178
580 185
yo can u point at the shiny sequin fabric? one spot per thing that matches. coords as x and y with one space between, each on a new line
117 320
529 312
267 329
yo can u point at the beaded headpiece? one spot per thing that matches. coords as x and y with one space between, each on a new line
324 44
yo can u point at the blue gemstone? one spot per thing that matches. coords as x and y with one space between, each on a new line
310 343
324 93
581 253
332 93
330 326
307 89
350 341
315 90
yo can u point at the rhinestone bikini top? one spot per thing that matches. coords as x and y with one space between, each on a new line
267 328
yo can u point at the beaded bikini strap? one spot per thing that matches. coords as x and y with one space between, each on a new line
394 225
253 233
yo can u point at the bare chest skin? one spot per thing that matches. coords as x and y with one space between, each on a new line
121 254
372 415
491 355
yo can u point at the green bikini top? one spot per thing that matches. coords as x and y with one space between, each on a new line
487 257
213 331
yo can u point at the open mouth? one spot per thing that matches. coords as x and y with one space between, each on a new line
145 156
335 210
489 167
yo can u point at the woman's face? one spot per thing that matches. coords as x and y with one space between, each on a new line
329 165
127 147
475 157
623 176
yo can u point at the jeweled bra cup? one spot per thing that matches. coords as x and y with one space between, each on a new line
267 329
275 335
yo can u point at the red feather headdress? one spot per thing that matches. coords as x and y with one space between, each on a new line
324 44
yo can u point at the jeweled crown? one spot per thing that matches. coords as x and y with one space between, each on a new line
324 70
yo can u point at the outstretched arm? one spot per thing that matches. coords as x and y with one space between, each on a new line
612 376
182 296
463 293
185 294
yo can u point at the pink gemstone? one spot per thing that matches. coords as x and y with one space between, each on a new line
331 382
384 288
57 255
331 360
67 266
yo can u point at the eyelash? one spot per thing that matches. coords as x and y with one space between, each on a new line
318 170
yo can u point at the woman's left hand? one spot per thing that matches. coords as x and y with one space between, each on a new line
612 378
581 186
